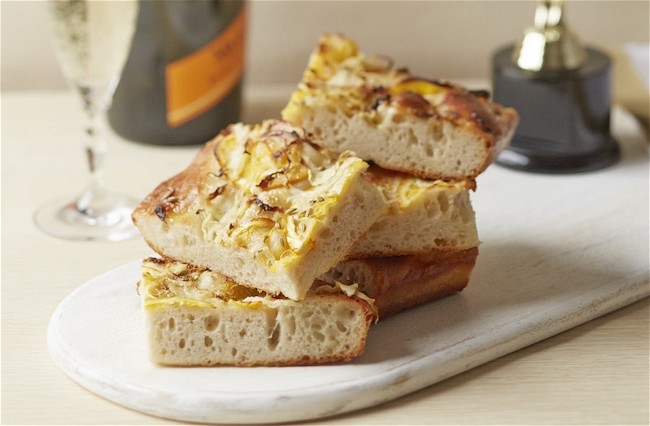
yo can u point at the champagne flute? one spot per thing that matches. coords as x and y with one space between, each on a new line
92 39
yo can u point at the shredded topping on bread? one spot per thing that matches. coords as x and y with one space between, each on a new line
268 189
167 282
338 70
401 190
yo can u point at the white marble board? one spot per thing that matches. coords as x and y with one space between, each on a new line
556 251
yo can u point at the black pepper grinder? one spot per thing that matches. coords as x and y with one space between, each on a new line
562 92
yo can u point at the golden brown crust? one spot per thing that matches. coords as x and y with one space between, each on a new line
177 193
488 122
422 279
402 282
463 106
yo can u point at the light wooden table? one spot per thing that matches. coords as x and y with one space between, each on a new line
596 373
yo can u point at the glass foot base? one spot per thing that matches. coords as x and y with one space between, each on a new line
540 156
110 222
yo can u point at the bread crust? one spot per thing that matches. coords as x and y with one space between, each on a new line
402 282
174 195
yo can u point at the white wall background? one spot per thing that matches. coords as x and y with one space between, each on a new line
434 38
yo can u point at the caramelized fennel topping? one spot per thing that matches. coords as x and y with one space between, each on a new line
268 189
401 190
370 84
167 282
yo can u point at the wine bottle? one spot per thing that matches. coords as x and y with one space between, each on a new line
182 81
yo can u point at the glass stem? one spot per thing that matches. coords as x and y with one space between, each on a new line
94 196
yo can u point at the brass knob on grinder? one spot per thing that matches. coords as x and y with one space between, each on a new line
562 92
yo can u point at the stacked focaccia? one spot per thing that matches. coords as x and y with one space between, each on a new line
281 245
428 140
250 225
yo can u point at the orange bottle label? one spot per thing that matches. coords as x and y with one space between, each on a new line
202 79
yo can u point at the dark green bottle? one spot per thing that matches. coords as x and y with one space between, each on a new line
182 81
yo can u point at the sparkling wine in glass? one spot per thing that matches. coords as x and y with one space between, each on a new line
92 39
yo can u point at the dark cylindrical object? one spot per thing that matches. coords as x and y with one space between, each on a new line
182 81
565 115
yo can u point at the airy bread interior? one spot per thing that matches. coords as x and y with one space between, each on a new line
317 330
420 216
200 318
425 148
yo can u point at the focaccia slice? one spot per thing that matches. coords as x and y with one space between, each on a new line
195 317
402 282
420 216
263 205
430 128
